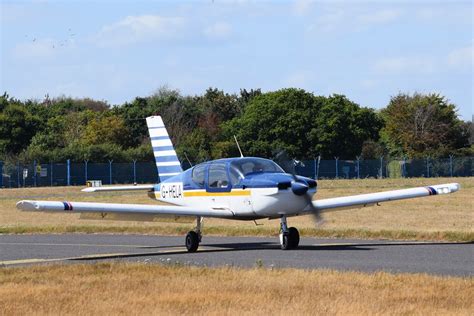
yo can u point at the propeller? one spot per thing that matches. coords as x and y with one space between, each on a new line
298 186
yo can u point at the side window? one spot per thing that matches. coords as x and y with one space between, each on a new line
198 175
218 176
235 175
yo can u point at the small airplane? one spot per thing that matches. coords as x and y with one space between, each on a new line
243 188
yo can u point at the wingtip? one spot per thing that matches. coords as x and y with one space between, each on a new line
25 205
455 187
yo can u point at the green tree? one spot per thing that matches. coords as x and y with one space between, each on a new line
341 127
17 127
423 125
304 125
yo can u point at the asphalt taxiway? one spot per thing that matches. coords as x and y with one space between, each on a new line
439 258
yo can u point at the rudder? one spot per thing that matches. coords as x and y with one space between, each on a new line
167 161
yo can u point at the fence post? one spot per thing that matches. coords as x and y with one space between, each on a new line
18 173
358 167
110 171
34 173
427 167
51 172
404 170
134 171
381 167
85 170
337 169
451 165
314 169
69 172
1 174
317 172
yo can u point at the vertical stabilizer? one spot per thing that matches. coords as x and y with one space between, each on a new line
166 159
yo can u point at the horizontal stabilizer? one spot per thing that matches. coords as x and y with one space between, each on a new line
119 188
89 207
364 200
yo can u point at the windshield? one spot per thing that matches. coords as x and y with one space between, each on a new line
246 166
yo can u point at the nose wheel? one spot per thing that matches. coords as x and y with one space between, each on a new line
289 237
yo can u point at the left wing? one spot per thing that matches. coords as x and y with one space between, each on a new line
364 200
89 207
119 188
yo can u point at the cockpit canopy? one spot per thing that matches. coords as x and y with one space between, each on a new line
227 173
246 166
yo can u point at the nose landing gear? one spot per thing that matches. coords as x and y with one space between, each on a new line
289 237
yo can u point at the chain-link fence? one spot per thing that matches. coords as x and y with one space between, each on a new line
78 173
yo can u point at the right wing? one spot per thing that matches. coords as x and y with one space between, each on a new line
89 207
364 200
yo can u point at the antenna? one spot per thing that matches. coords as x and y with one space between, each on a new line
241 155
187 159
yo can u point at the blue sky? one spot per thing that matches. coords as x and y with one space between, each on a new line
117 50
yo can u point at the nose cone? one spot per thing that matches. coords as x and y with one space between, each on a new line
299 188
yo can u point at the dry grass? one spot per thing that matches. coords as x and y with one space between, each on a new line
138 289
448 217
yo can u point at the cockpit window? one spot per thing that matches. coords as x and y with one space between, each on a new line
198 175
246 166
218 175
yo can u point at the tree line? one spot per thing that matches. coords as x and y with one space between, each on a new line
302 124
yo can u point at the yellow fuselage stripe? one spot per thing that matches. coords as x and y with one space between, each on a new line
204 193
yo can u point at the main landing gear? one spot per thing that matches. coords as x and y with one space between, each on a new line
289 237
193 238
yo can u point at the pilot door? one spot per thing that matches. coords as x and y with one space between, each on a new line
220 182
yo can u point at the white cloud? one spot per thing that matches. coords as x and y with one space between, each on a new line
352 20
133 29
300 79
379 17
397 65
302 7
36 48
368 83
462 57
219 30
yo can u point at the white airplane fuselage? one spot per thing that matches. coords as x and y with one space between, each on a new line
245 204
251 195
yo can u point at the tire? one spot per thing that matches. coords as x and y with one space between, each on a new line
285 241
192 241
294 237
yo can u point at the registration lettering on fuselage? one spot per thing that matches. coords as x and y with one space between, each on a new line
171 190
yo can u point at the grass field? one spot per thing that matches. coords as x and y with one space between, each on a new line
447 217
138 289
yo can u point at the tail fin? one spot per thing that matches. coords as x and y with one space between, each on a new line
167 161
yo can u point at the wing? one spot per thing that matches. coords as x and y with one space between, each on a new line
364 200
119 188
88 207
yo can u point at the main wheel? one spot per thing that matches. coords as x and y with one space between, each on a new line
192 241
294 237
285 241
290 239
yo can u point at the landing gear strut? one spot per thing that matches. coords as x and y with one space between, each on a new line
289 237
193 238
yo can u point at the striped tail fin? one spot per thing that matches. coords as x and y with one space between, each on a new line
166 159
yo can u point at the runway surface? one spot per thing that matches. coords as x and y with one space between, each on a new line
438 258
